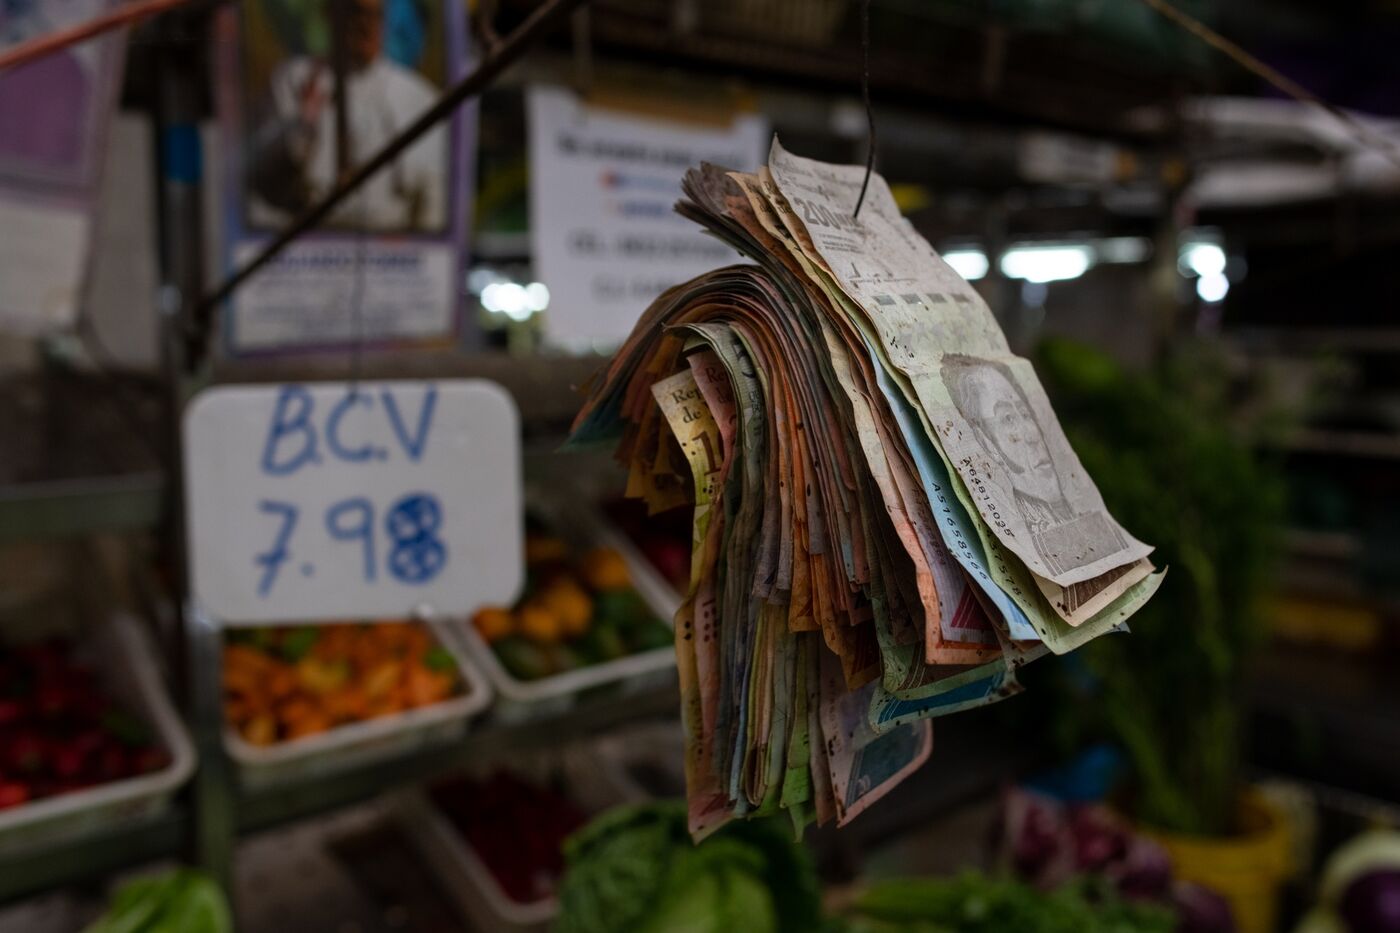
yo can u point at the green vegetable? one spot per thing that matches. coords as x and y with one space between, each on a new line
635 869
297 642
653 634
522 658
602 642
973 903
623 608
439 659
180 901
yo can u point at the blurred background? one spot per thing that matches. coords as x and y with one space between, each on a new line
1199 264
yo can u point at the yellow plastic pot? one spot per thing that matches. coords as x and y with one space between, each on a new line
1246 869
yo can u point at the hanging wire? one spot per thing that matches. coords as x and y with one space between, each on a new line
865 95
357 301
1360 131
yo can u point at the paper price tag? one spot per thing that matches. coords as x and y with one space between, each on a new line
318 501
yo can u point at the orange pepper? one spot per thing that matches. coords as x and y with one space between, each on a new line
347 704
541 549
260 730
493 623
243 681
604 569
568 601
243 657
539 623
236 710
310 724
423 687
382 678
282 682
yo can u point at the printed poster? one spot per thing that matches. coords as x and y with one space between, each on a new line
54 116
384 268
603 232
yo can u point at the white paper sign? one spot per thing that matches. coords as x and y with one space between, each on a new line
318 501
603 183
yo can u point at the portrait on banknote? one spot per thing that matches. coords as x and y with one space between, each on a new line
1004 426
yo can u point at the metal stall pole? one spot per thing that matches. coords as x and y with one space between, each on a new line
178 107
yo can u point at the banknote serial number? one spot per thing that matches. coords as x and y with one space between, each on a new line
982 492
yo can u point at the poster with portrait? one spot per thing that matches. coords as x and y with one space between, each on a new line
54 116
384 267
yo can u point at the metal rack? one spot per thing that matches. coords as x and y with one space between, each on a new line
242 811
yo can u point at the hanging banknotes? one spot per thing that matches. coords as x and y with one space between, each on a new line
888 519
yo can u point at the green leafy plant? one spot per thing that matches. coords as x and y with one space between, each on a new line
974 903
1178 472
635 868
178 901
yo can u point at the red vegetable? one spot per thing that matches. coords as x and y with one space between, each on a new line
12 794
60 732
517 829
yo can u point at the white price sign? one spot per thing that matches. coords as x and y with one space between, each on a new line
316 501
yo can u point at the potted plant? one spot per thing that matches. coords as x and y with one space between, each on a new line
1180 473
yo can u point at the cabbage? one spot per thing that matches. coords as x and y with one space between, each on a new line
635 869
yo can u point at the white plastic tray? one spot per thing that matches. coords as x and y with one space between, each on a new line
461 873
372 740
522 700
126 665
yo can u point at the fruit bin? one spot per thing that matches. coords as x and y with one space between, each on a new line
124 660
353 744
582 528
460 870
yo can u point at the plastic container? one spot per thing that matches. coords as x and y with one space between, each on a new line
520 700
372 740
1248 870
464 877
125 662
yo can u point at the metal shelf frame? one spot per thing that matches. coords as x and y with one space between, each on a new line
219 811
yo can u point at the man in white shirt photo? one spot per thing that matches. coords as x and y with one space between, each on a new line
292 156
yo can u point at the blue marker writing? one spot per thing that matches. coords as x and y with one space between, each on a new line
291 424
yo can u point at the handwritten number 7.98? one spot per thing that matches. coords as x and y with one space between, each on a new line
416 555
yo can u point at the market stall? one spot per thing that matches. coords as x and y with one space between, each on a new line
746 465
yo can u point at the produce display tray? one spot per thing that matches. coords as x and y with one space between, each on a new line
460 871
359 743
120 652
581 527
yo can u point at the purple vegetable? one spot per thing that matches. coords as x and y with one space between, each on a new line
1099 838
1035 839
1201 910
1145 870
1371 903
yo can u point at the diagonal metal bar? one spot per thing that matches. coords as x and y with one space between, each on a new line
492 64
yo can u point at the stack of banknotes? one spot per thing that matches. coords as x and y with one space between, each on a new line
888 519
